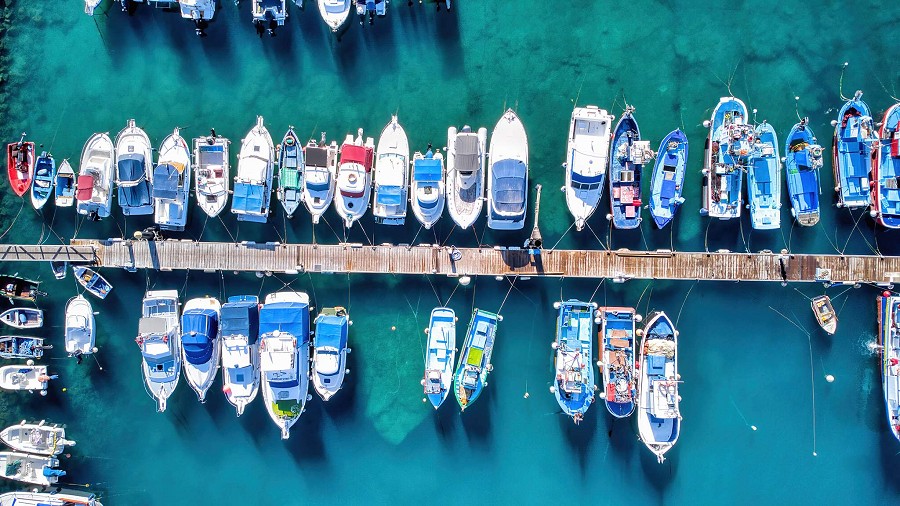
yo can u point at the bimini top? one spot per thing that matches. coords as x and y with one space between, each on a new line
199 328
331 331
509 186
351 153
131 167
165 181
249 197
240 319
390 195
427 170
288 317
466 157
316 157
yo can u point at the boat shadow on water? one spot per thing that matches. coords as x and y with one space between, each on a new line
445 424
476 421
580 438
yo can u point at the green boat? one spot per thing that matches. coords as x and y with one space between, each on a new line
471 375
290 172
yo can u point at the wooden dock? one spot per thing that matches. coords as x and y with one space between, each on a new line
48 253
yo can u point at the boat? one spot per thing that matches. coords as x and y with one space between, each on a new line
587 153
825 314
372 8
354 178
475 363
269 15
617 362
667 182
240 350
56 497
172 183
24 377
627 156
802 162
92 281
329 359
90 6
198 11
889 344
93 192
200 344
466 157
659 419
253 183
34 469
211 172
20 165
764 179
507 185
23 317
319 176
22 347
440 356
44 177
391 175
335 12
284 357
65 185
726 159
80 330
886 171
39 438
854 138
427 187
18 288
290 172
159 340
573 385
134 170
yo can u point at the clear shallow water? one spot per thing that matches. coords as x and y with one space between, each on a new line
67 76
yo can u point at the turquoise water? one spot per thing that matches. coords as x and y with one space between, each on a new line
65 76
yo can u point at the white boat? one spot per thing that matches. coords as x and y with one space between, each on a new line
134 170
198 11
391 172
23 317
284 357
159 341
321 175
466 156
65 185
39 438
200 343
269 15
586 160
659 419
508 174
211 170
172 183
24 377
329 361
80 329
55 497
253 183
427 187
90 6
335 12
240 350
440 355
34 469
95 177
354 178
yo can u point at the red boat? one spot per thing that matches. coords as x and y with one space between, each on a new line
20 164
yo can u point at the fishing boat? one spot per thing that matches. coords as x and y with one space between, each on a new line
466 157
854 138
290 172
617 362
889 344
886 171
329 359
39 438
370 8
627 156
23 317
284 357
59 269
659 419
391 175
79 330
20 165
440 355
65 185
200 344
44 177
240 350
667 182
134 170
172 183
24 377
158 339
34 469
22 347
764 179
427 187
475 364
825 314
802 162
354 178
727 157
95 177
198 11
508 174
319 177
92 281
335 12
55 497
269 15
17 288
253 183
587 153
211 171
573 384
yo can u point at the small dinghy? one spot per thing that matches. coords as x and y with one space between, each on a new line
290 172
80 329
22 347
441 355
20 165
329 362
91 281
59 269
16 288
34 469
23 317
825 314
65 185
44 176
24 377
39 438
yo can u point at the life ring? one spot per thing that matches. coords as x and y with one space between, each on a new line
351 178
816 150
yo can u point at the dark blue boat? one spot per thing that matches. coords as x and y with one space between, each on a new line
802 161
627 157
668 178
854 135
885 171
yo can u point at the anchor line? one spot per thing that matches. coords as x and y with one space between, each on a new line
600 241
565 233
448 235
233 238
512 284
683 302
433 288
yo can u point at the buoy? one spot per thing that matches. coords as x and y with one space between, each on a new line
526 395
424 399
498 278
95 349
796 98
886 293
65 389
638 318
753 427
259 274
554 345
552 390
598 320
29 362
393 328
602 395
465 280
834 122
608 216
829 378
556 305
639 332
43 393
422 382
427 330
815 454
706 123
873 213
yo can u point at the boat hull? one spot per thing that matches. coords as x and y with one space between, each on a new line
764 180
667 182
252 193
80 328
321 175
354 179
65 185
134 171
44 177
172 183
625 174
290 172
466 158
886 171
507 176
212 181
20 166
617 362
159 338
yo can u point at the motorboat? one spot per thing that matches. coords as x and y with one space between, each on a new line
269 15
44 177
617 359
573 384
253 183
474 366
89 7
54 497
26 468
826 316
23 317
240 350
172 183
20 165
659 417
211 171
59 269
159 339
667 183
134 170
370 8
440 356
885 171
587 153
391 175
22 347
508 174
93 192
329 358
466 157
19 288
727 157
65 185
24 377
320 176
627 157
802 163
335 12
200 12
93 282
889 345
427 187
354 178
200 343
39 438
764 179
290 172
854 139
80 330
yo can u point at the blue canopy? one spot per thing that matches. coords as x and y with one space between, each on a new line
389 195
331 331
165 181
241 319
667 191
131 167
761 171
582 179
248 198
199 328
290 317
427 170
802 158
134 196
509 186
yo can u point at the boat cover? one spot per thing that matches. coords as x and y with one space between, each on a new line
389 195
351 153
807 188
331 331
509 186
240 319
199 328
248 198
466 156
289 317
85 187
802 158
131 167
165 181
427 170
316 157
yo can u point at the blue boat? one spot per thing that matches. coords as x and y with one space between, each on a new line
764 180
42 184
885 171
628 154
854 136
659 417
667 183
92 281
573 385
475 364
727 158
802 161
329 361
617 340
200 343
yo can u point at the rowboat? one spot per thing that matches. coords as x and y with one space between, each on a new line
20 165
44 177
667 183
825 314
65 185
23 317
92 281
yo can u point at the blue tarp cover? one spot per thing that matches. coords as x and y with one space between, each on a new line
165 181
241 319
389 195
667 191
134 196
290 317
248 198
331 331
761 171
131 167
427 170
656 365
199 327
802 158
509 186
582 179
